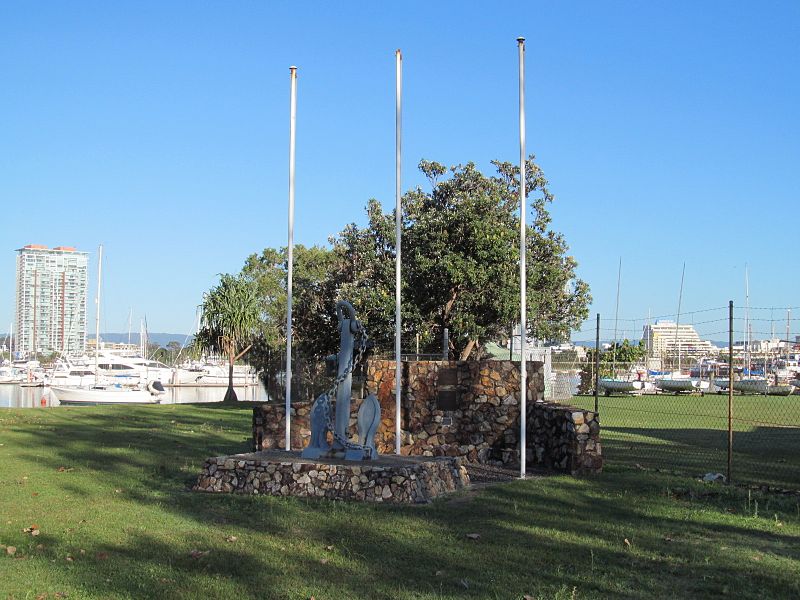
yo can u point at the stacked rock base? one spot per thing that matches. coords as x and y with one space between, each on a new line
394 479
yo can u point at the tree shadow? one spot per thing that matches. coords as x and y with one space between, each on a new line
764 455
536 538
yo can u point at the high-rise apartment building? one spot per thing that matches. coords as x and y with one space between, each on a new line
51 299
667 339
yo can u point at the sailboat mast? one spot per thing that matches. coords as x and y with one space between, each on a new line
97 311
747 318
788 320
616 319
678 318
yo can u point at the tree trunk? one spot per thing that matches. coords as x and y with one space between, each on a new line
468 349
230 395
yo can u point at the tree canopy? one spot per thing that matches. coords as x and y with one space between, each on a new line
460 268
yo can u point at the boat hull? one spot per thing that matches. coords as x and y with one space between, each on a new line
620 386
108 395
761 386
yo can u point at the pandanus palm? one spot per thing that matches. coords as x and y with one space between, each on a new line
230 321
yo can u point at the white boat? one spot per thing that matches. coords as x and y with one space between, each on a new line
69 374
678 382
212 375
610 386
676 386
762 386
111 394
9 375
722 383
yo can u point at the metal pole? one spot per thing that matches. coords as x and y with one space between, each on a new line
398 221
616 321
97 314
290 259
523 288
730 388
597 363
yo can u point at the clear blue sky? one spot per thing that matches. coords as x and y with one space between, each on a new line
669 132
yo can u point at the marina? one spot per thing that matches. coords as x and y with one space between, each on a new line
16 396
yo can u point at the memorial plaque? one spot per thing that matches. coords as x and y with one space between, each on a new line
447 396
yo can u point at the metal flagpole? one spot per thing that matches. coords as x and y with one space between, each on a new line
97 313
398 219
523 370
290 259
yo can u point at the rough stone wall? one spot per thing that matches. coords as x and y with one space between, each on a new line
280 473
564 438
483 425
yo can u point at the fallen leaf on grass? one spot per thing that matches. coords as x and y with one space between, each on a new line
33 529
667 538
438 573
69 558
40 547
323 561
473 536
34 494
329 548
11 550
199 553
756 557
65 469
231 538
60 595
627 542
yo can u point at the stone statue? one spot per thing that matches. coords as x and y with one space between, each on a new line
352 337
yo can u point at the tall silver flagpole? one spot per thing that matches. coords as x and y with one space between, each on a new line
523 328
398 220
290 260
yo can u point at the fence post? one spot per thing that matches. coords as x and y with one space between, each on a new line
730 389
597 363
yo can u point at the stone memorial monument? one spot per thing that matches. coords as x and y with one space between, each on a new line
332 465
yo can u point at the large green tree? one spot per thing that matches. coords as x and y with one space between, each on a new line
230 321
460 268
460 261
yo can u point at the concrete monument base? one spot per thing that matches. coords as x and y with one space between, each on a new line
396 479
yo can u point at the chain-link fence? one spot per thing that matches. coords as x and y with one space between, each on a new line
669 408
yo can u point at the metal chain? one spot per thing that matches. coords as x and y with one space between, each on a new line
331 393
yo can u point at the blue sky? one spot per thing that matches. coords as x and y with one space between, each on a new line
669 132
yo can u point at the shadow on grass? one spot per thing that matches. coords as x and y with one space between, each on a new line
538 538
764 455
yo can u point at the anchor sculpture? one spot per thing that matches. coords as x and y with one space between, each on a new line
324 419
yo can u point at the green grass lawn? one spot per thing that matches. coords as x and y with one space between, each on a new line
689 434
107 488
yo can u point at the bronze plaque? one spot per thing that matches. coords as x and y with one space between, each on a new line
447 390
447 400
